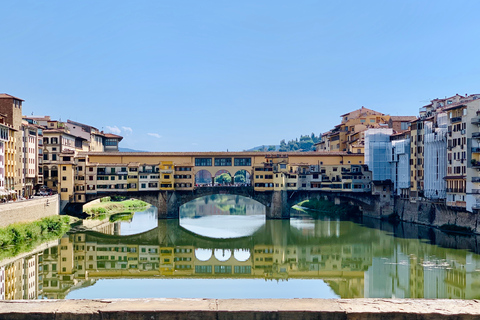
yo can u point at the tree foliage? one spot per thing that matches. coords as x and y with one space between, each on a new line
306 143
224 178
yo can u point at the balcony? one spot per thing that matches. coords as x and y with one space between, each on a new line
476 135
475 191
456 119
166 171
476 149
476 120
475 179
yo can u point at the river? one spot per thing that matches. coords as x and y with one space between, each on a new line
223 247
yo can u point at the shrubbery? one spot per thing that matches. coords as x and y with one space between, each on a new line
115 207
22 237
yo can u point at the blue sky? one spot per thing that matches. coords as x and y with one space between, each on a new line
218 75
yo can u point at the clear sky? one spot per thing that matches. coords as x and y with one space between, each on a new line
218 75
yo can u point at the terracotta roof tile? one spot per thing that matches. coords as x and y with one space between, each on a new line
7 96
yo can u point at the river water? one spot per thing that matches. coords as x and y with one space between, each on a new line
222 247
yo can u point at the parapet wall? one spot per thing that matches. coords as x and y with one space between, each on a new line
372 309
29 210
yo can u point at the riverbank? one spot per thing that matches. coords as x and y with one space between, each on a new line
390 309
104 208
29 210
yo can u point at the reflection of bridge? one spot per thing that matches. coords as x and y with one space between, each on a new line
277 203
348 257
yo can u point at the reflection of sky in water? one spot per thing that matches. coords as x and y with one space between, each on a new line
205 288
141 222
222 227
222 216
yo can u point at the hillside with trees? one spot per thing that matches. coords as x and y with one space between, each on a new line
305 143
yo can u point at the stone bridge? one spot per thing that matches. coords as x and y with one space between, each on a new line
277 203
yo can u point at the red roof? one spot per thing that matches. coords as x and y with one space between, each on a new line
113 136
7 96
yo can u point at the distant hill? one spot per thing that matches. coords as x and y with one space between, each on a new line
264 148
129 150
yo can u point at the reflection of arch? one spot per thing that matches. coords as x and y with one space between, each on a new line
203 254
241 254
222 254
203 177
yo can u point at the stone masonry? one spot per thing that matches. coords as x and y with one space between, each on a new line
29 210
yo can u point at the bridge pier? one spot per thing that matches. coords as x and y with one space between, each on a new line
279 207
168 205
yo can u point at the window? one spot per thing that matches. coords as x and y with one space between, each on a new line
223 162
54 157
203 162
242 162
64 168
111 142
64 178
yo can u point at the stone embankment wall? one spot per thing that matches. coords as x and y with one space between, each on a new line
435 214
326 309
29 210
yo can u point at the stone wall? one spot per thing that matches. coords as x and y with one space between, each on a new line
435 214
293 309
29 210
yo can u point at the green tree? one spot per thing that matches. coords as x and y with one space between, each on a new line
224 178
283 146
272 148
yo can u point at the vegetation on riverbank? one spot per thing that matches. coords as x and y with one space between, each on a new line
108 206
23 237
325 207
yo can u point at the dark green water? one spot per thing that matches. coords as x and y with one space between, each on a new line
223 247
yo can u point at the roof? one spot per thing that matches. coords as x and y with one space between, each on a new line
218 153
7 96
80 124
455 106
365 110
46 131
403 118
113 136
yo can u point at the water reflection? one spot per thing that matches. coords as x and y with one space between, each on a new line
222 216
353 260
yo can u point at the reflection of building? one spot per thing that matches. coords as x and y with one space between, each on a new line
354 261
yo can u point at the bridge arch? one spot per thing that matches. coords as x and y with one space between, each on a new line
223 177
203 177
242 176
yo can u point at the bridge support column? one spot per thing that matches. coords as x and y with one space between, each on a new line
168 205
279 208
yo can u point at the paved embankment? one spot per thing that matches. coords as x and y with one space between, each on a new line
240 309
28 210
